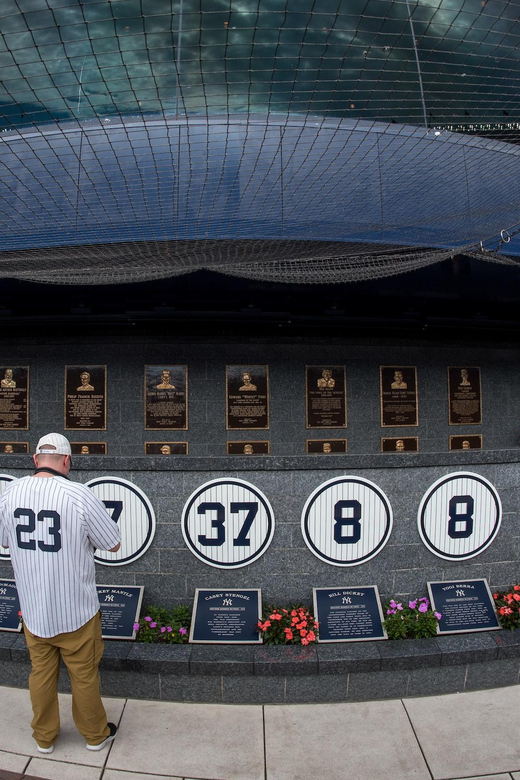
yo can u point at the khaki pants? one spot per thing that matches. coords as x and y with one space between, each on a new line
81 651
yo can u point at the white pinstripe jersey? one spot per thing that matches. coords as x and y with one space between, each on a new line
52 527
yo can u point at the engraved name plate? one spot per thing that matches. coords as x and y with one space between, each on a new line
464 396
247 397
166 398
85 398
14 398
326 397
398 396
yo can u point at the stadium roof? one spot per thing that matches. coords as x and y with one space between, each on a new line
310 140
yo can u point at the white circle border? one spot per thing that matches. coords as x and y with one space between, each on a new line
428 494
228 481
348 478
151 516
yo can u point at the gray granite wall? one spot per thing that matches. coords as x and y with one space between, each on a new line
207 433
288 570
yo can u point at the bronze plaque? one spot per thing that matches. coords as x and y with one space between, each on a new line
464 396
403 444
248 447
166 398
85 398
326 446
473 442
88 447
398 396
166 447
326 397
247 397
14 398
16 447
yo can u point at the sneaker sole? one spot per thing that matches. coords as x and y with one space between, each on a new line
102 744
45 750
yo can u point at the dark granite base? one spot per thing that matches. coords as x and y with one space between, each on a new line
274 675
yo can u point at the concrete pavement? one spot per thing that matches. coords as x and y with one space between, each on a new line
466 735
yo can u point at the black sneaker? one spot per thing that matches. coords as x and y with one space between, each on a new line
111 736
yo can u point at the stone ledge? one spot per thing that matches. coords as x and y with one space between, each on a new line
351 671
106 464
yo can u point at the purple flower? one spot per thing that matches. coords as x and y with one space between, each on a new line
423 607
169 629
390 611
412 604
393 604
136 626
153 625
424 600
399 607
163 629
437 615
183 630
148 619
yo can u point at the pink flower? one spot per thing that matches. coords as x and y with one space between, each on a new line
437 615
400 607
412 604
169 629
183 630
153 625
390 612
148 619
423 607
163 629
136 626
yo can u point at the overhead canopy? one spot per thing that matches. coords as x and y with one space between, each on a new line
319 141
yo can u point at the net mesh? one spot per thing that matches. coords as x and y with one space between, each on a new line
310 141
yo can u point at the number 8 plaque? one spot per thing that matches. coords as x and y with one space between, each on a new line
346 521
228 523
459 516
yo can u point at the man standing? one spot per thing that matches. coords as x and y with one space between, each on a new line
52 527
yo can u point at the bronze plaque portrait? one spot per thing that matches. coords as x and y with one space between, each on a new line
326 397
326 446
404 444
85 398
398 396
248 447
166 447
464 396
247 397
14 398
166 398
473 442
88 447
14 447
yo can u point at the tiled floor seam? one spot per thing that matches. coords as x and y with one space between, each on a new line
265 742
417 738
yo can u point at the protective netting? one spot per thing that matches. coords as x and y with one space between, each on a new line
310 141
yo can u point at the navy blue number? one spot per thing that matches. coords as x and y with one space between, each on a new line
340 521
116 507
29 528
252 509
457 518
217 522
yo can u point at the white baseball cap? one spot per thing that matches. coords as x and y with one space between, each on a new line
53 444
